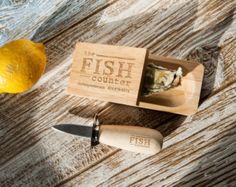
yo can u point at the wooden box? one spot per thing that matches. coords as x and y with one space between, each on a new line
116 74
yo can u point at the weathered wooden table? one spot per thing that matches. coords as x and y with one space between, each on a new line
199 150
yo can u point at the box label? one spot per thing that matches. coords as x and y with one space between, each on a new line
105 72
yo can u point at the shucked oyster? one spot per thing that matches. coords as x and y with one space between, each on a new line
159 79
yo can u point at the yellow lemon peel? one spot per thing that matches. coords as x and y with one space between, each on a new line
22 62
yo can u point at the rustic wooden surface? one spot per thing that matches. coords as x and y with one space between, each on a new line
199 150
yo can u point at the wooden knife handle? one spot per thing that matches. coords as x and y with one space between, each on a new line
131 138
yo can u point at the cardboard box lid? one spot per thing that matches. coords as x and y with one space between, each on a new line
106 72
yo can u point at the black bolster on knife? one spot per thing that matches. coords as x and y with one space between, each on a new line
95 132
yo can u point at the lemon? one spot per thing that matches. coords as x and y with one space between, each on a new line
22 62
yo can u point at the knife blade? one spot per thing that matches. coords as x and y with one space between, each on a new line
131 138
79 130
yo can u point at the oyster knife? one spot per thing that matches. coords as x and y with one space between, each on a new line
131 138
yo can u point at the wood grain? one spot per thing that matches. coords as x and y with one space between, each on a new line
199 150
71 13
20 19
16 17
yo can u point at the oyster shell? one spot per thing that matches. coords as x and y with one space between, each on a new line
158 79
